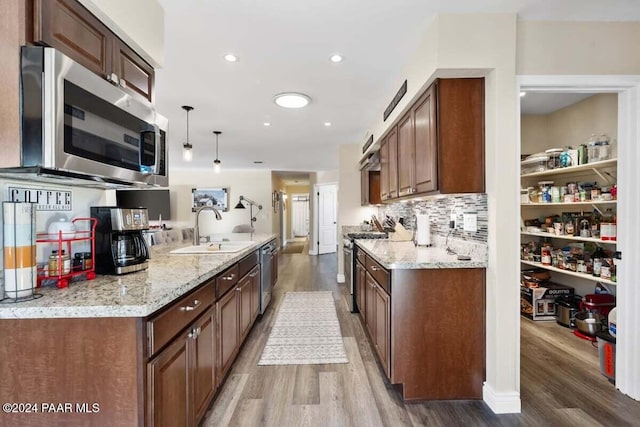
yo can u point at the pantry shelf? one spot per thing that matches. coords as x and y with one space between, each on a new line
569 273
588 203
576 238
571 169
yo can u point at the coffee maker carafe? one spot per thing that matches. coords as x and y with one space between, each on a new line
120 245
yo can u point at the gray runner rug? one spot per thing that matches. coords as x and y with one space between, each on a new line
306 332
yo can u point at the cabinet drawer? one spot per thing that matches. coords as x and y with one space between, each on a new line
360 255
379 273
164 326
247 263
226 280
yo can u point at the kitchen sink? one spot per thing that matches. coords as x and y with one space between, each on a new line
215 248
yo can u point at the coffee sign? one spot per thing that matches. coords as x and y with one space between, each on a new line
45 199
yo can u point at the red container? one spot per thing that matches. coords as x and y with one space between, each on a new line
602 303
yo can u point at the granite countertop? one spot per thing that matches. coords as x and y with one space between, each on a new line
405 255
140 294
359 232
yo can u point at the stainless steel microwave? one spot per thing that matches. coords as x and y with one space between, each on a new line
75 123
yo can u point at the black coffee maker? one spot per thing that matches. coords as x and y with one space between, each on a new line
120 244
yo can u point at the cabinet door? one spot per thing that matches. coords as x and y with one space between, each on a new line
255 292
406 156
360 279
228 332
382 322
203 360
73 30
132 71
384 170
426 147
245 314
392 141
168 385
370 314
364 187
374 187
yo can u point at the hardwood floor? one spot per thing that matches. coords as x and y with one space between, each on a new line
561 381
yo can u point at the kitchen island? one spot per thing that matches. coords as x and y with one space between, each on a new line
147 348
424 311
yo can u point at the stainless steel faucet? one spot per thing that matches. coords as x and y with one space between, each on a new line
196 229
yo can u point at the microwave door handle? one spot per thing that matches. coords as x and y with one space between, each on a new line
150 169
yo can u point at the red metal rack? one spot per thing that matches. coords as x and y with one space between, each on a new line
64 242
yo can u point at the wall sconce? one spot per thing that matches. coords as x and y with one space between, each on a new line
251 203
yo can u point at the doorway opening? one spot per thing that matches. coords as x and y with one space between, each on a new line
578 136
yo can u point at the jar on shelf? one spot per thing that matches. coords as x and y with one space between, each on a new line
605 147
82 261
545 191
593 149
59 263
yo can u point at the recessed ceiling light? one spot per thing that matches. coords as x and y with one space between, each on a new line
327 123
336 58
230 57
522 94
267 124
258 162
291 100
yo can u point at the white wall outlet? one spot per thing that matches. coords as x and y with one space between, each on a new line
470 222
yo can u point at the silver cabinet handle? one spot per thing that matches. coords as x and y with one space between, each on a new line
253 274
190 307
374 268
229 277
238 289
195 332
123 83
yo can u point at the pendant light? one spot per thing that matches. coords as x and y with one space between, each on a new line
216 162
187 148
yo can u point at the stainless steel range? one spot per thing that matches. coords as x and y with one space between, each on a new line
349 261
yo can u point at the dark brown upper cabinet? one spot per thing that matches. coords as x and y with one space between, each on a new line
384 170
369 187
392 142
67 26
437 147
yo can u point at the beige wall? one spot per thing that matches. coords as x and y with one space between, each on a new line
534 133
255 185
349 210
139 23
571 125
578 47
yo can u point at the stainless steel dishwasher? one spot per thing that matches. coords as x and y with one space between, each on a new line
266 273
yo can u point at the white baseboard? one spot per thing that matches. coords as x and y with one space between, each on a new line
341 278
313 251
501 403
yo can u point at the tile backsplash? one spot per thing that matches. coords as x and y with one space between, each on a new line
439 210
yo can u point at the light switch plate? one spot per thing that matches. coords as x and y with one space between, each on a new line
470 222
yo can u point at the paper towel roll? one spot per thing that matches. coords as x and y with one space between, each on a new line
423 230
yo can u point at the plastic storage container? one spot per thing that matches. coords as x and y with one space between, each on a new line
607 351
534 163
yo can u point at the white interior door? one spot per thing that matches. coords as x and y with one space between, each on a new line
300 213
327 219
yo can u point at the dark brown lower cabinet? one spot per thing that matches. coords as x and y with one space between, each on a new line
204 363
427 327
181 378
228 331
377 303
245 314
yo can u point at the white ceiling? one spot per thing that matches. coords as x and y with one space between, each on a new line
284 45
